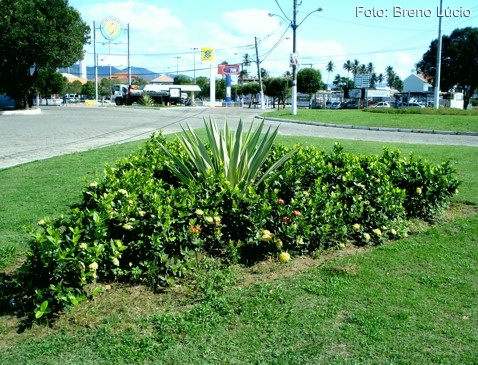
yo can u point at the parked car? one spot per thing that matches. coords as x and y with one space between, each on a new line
415 105
381 104
411 105
335 105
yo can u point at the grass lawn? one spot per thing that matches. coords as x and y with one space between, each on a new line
409 302
460 122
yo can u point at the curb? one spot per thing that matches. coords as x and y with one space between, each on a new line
21 112
381 129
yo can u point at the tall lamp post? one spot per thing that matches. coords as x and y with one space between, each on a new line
294 26
177 65
436 94
194 60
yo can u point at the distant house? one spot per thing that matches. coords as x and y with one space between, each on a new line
123 76
71 78
162 80
416 83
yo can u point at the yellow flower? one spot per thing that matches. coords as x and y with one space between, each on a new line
127 226
93 266
209 219
419 191
41 222
266 238
366 236
377 231
300 240
267 235
284 257
199 212
122 191
393 231
94 184
279 243
217 219
83 246
115 261
356 227
341 245
141 213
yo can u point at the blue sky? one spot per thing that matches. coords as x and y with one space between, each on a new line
164 33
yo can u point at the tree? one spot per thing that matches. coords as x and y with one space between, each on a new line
330 68
182 80
252 89
393 80
37 34
348 66
73 87
88 89
309 81
204 85
50 82
278 88
458 62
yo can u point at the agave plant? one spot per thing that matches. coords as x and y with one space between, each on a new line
237 155
146 100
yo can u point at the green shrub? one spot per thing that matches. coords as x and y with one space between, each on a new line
146 100
143 223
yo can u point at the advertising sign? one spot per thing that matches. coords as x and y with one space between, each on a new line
207 54
228 69
110 28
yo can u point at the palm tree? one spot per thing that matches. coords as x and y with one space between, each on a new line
337 80
373 80
380 78
348 66
355 67
370 68
246 62
330 68
388 70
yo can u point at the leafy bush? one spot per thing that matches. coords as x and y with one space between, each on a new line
144 223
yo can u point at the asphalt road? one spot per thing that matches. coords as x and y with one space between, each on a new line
60 130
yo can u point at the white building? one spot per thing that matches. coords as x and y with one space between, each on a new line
416 82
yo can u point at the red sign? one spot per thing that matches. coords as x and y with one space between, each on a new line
228 69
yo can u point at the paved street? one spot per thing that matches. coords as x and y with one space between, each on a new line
59 130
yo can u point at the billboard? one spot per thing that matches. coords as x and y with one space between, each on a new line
228 69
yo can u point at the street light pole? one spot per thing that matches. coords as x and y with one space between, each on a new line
436 94
194 58
177 65
294 64
294 59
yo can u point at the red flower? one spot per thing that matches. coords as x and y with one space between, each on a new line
195 230
286 220
280 201
296 213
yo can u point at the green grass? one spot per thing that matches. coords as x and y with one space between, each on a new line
432 121
410 302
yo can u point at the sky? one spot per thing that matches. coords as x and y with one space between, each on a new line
167 36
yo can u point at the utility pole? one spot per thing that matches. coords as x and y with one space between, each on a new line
294 64
259 74
436 98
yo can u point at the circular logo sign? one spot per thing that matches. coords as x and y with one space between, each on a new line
110 28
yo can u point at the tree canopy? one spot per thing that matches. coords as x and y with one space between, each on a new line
35 35
458 62
309 81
